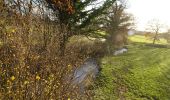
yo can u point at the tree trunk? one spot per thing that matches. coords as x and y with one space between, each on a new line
63 38
154 41
62 45
155 37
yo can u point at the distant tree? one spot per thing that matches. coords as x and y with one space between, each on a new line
154 26
166 36
117 24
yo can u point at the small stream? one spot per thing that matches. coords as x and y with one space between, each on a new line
86 73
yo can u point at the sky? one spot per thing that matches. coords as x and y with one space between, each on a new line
146 10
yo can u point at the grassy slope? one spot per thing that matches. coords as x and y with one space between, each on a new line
141 74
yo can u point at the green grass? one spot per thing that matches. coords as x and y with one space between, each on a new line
143 39
143 73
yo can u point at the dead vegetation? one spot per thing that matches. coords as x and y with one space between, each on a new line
30 64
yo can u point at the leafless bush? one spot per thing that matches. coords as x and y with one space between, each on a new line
30 67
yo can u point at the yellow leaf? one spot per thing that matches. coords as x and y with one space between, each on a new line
13 31
12 78
69 65
26 82
37 77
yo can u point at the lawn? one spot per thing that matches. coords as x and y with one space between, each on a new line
143 73
143 39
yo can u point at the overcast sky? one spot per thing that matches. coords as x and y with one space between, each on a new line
145 10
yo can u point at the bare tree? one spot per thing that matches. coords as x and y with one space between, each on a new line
116 24
154 26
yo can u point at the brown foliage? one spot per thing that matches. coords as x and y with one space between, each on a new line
29 65
65 5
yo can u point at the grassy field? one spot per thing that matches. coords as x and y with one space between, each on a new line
143 39
143 73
